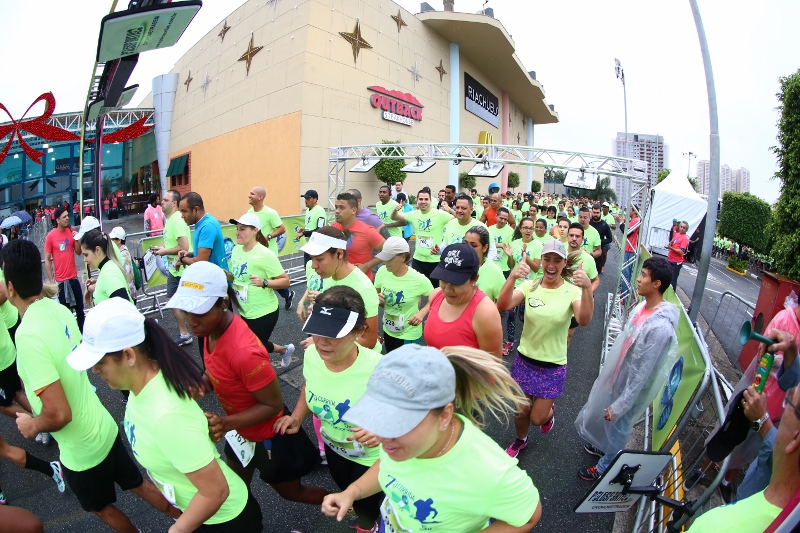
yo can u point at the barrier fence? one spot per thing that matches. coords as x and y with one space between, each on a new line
729 315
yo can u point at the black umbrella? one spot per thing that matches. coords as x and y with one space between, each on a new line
23 216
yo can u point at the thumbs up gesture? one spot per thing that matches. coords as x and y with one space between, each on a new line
580 279
521 271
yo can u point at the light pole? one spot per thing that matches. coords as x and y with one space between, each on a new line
621 76
689 167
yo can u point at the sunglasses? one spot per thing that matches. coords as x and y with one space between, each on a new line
787 401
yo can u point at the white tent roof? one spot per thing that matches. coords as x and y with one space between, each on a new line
673 198
677 184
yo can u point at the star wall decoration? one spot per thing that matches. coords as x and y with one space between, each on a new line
518 139
205 84
441 70
223 31
356 40
415 74
247 57
188 81
399 20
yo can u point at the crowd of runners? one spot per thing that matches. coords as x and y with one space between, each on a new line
397 398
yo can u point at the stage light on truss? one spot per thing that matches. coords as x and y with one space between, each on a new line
486 169
97 107
418 167
365 165
585 179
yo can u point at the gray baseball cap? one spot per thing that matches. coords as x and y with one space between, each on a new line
405 386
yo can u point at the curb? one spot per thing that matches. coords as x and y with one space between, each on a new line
743 274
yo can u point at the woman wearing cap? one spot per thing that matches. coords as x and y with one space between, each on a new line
540 366
523 247
490 277
117 236
327 247
427 468
99 254
238 370
256 269
336 369
399 291
166 429
460 313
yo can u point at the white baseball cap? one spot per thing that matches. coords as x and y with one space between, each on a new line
88 224
117 233
110 326
318 244
248 219
391 247
202 283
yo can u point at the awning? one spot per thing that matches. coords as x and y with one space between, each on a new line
177 165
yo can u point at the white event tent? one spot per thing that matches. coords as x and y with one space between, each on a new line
672 198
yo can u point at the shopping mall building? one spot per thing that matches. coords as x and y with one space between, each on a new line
264 95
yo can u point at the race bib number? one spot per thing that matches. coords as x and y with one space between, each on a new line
346 448
164 488
425 241
390 522
394 323
243 448
241 292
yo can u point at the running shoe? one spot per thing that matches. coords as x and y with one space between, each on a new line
289 300
58 475
323 459
589 474
517 446
548 426
183 340
2 498
593 450
43 438
286 358
692 478
507 347
726 491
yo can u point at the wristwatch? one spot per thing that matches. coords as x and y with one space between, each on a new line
756 424
266 284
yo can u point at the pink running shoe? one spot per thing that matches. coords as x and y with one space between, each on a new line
548 426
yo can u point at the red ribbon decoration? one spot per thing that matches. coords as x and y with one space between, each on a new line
36 126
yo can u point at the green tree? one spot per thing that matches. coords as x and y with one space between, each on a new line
784 231
536 186
662 175
603 192
465 181
513 180
388 170
743 218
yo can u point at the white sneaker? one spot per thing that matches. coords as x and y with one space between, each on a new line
58 475
286 359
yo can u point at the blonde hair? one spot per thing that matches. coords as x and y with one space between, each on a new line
50 290
483 385
566 272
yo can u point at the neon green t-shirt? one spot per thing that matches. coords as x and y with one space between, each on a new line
501 235
8 312
428 227
477 206
551 222
438 495
591 239
401 297
516 214
526 207
455 232
490 279
8 353
174 229
751 514
109 280
544 239
169 437
385 212
313 280
589 266
533 250
610 220
329 395
269 221
358 281
262 262
573 220
547 318
315 218
86 440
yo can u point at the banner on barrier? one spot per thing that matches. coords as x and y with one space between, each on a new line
288 244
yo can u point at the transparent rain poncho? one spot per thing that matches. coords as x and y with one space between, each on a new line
635 369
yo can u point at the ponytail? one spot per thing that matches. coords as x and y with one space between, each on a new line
97 239
260 239
181 372
483 385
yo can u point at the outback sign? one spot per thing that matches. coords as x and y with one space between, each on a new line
397 106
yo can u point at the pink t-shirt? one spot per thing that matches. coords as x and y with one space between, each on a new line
784 320
155 217
62 246
679 240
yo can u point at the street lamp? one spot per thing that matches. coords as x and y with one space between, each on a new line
689 167
621 76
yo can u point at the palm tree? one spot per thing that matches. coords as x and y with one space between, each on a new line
603 192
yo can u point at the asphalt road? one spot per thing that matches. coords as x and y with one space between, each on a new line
552 460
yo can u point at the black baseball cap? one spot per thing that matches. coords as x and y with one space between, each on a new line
458 264
310 193
330 322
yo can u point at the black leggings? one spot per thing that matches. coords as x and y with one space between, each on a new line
262 327
344 472
248 521
77 293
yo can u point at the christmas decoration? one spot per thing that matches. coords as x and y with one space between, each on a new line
441 70
356 41
188 81
415 74
247 57
205 84
223 31
399 20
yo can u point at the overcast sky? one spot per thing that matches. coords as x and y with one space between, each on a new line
571 44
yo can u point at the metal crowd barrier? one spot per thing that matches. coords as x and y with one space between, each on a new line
687 445
728 317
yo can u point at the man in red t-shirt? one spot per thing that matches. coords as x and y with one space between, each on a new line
677 250
362 238
61 248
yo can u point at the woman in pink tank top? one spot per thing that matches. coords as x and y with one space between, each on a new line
460 314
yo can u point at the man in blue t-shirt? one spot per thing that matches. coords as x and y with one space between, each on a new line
208 242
